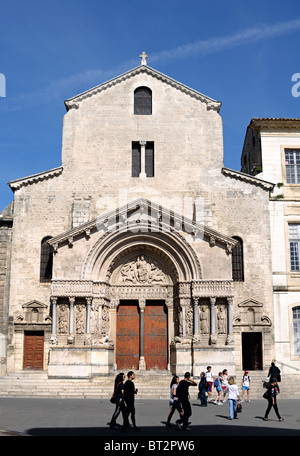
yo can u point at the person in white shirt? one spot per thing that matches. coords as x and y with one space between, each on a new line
246 385
233 397
210 378
224 383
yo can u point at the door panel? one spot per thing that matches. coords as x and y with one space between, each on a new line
128 337
33 350
156 336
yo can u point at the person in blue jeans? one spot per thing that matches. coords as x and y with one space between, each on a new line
233 397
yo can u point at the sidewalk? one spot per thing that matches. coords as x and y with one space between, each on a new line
88 417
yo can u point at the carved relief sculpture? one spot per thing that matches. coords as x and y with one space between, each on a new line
63 319
141 271
95 319
105 320
221 319
189 320
80 319
204 320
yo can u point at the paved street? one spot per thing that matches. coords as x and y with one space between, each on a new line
79 417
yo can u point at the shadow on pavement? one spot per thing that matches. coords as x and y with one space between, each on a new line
161 431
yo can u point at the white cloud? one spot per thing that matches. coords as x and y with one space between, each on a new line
66 87
218 44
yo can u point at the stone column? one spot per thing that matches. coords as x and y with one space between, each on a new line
230 330
143 159
54 304
142 305
230 339
213 339
196 317
183 322
170 309
71 321
88 315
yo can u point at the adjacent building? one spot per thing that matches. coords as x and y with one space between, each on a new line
272 152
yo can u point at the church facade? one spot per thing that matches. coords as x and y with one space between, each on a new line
141 251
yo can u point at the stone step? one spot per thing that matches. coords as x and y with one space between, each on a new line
156 385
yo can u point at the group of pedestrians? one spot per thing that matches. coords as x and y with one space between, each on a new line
124 398
225 389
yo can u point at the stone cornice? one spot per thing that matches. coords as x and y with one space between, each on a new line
117 219
73 103
274 123
34 178
247 178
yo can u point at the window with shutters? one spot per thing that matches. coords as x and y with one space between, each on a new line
143 101
292 165
238 261
296 329
46 261
294 243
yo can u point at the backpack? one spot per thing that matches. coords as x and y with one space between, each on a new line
216 383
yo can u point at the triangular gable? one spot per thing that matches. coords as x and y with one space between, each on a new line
34 305
138 213
211 103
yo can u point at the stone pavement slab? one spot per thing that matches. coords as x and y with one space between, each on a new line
90 417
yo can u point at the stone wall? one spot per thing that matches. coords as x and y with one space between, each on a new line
96 177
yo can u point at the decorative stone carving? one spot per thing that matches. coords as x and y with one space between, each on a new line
80 319
142 271
63 319
221 320
95 318
104 320
189 320
204 320
251 315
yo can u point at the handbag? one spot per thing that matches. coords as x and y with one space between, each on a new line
239 407
266 395
113 400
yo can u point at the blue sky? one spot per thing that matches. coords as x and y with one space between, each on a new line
242 53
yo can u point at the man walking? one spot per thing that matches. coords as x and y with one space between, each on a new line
182 392
129 393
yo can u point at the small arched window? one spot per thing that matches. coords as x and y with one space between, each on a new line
46 262
143 101
238 261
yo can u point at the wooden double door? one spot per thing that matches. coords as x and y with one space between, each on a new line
142 335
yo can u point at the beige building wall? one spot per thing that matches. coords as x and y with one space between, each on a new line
276 135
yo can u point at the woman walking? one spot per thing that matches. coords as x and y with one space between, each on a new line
271 394
173 402
233 397
118 399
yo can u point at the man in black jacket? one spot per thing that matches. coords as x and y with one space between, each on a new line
129 392
274 372
182 392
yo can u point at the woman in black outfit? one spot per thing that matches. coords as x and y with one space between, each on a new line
118 398
272 392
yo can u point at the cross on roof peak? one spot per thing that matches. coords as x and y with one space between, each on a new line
144 57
